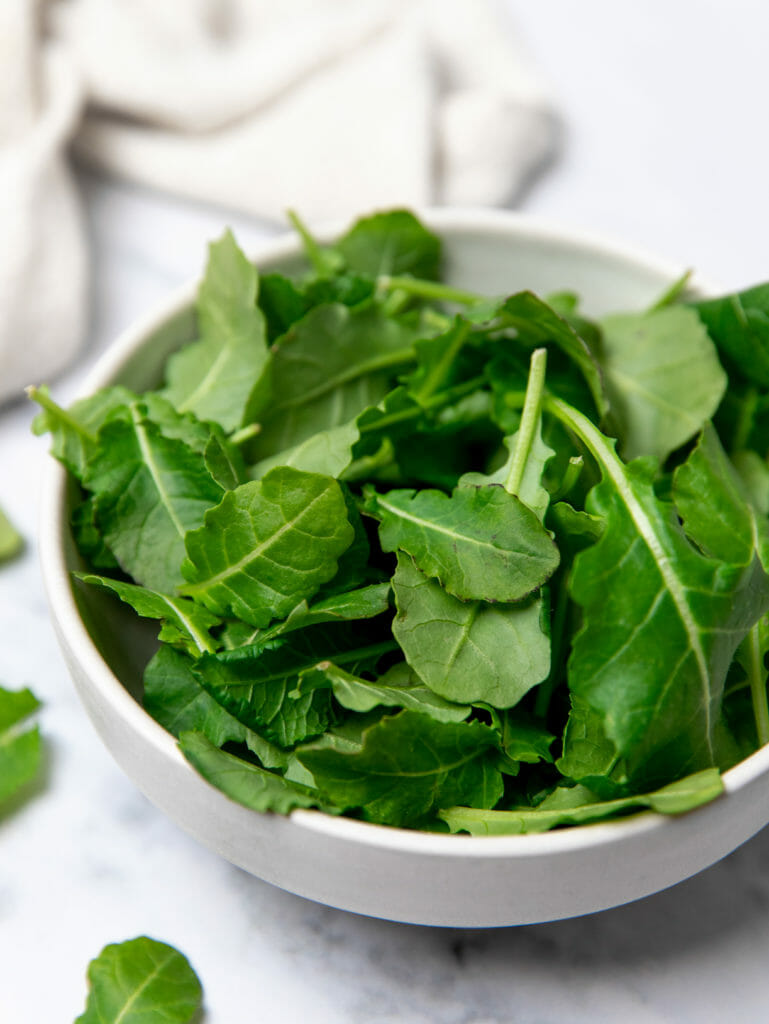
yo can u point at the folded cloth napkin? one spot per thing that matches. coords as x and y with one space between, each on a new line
334 107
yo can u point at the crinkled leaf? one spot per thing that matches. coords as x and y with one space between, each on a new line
409 765
246 783
578 806
223 375
150 490
469 651
184 622
177 701
268 545
482 543
141 981
258 684
663 378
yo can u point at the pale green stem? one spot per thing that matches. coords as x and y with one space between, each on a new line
673 293
757 678
313 251
530 417
745 419
47 403
428 290
245 433
439 372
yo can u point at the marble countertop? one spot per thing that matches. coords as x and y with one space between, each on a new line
663 146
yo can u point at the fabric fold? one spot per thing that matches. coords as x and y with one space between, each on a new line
334 108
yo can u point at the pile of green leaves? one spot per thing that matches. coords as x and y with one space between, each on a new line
435 559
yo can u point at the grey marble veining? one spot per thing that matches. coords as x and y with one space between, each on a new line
89 861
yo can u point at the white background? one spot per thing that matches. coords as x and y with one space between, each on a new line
664 145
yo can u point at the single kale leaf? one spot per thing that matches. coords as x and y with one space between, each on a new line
392 243
184 623
408 766
149 490
141 980
468 651
224 375
578 806
246 783
20 745
269 544
663 378
481 543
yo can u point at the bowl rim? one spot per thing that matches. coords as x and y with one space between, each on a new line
58 585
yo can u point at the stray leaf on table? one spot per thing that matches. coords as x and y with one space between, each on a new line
11 541
141 981
20 747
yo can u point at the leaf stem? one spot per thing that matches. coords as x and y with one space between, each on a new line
245 433
439 372
428 289
757 678
434 402
673 293
744 425
532 410
44 400
321 261
558 624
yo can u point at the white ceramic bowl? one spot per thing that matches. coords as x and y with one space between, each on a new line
385 872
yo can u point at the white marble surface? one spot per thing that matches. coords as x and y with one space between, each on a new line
664 145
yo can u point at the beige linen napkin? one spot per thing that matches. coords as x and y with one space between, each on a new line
334 107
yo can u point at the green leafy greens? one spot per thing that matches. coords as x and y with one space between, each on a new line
10 539
139 980
434 559
20 744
